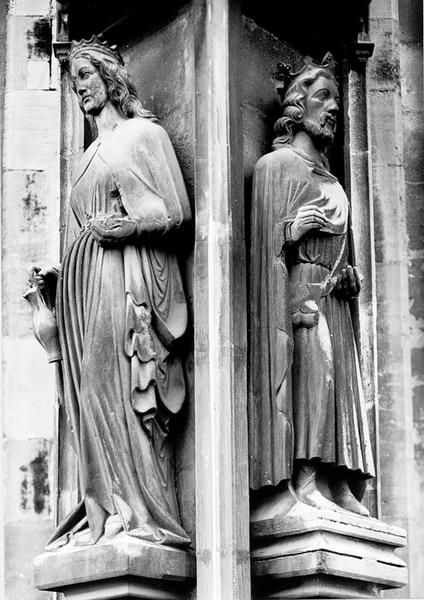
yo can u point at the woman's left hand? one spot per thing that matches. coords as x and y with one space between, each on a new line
349 283
114 231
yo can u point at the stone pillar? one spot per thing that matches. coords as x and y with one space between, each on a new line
396 463
29 236
2 91
412 105
222 491
363 228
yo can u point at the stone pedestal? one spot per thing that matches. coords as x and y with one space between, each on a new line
312 553
116 569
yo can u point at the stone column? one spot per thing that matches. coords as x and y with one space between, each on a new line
222 491
363 227
393 90
412 103
29 236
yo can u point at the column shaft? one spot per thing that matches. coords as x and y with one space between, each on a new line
223 567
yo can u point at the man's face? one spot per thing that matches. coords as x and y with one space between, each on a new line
90 88
321 108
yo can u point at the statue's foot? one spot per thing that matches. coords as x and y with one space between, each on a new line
306 489
277 502
344 498
84 538
314 498
113 526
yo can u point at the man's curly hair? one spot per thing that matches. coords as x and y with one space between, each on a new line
121 91
293 105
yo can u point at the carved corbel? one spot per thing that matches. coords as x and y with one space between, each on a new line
361 50
61 45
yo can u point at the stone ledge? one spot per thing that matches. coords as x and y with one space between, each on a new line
323 541
312 553
323 586
305 518
113 566
334 563
120 589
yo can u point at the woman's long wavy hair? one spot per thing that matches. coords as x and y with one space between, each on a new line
293 106
121 91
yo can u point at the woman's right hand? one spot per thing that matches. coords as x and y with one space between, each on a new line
114 231
307 218
46 281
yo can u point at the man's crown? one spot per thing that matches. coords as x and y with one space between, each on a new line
95 44
284 76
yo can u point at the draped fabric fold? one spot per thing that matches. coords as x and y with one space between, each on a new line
305 390
120 311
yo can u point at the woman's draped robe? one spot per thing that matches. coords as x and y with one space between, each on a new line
119 313
305 391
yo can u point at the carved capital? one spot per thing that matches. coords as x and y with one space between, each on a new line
61 45
360 52
61 51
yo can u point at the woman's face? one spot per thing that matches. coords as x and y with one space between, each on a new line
89 87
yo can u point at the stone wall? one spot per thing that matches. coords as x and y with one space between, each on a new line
29 236
29 115
412 106
395 88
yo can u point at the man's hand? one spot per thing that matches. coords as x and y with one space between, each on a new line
307 315
114 231
308 217
349 283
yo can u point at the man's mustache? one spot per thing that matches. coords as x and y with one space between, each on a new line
328 119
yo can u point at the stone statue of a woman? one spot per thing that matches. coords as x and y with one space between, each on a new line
120 308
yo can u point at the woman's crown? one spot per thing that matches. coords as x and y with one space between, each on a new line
95 44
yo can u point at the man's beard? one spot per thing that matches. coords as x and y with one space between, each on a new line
323 132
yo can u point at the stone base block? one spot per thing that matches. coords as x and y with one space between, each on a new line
312 553
124 567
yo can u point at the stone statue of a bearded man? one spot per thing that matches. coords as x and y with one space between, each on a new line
307 416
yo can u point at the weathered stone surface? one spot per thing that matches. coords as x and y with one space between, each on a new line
23 541
358 157
29 7
325 554
29 233
28 477
31 115
30 41
411 83
222 510
109 569
261 51
396 133
320 586
118 590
